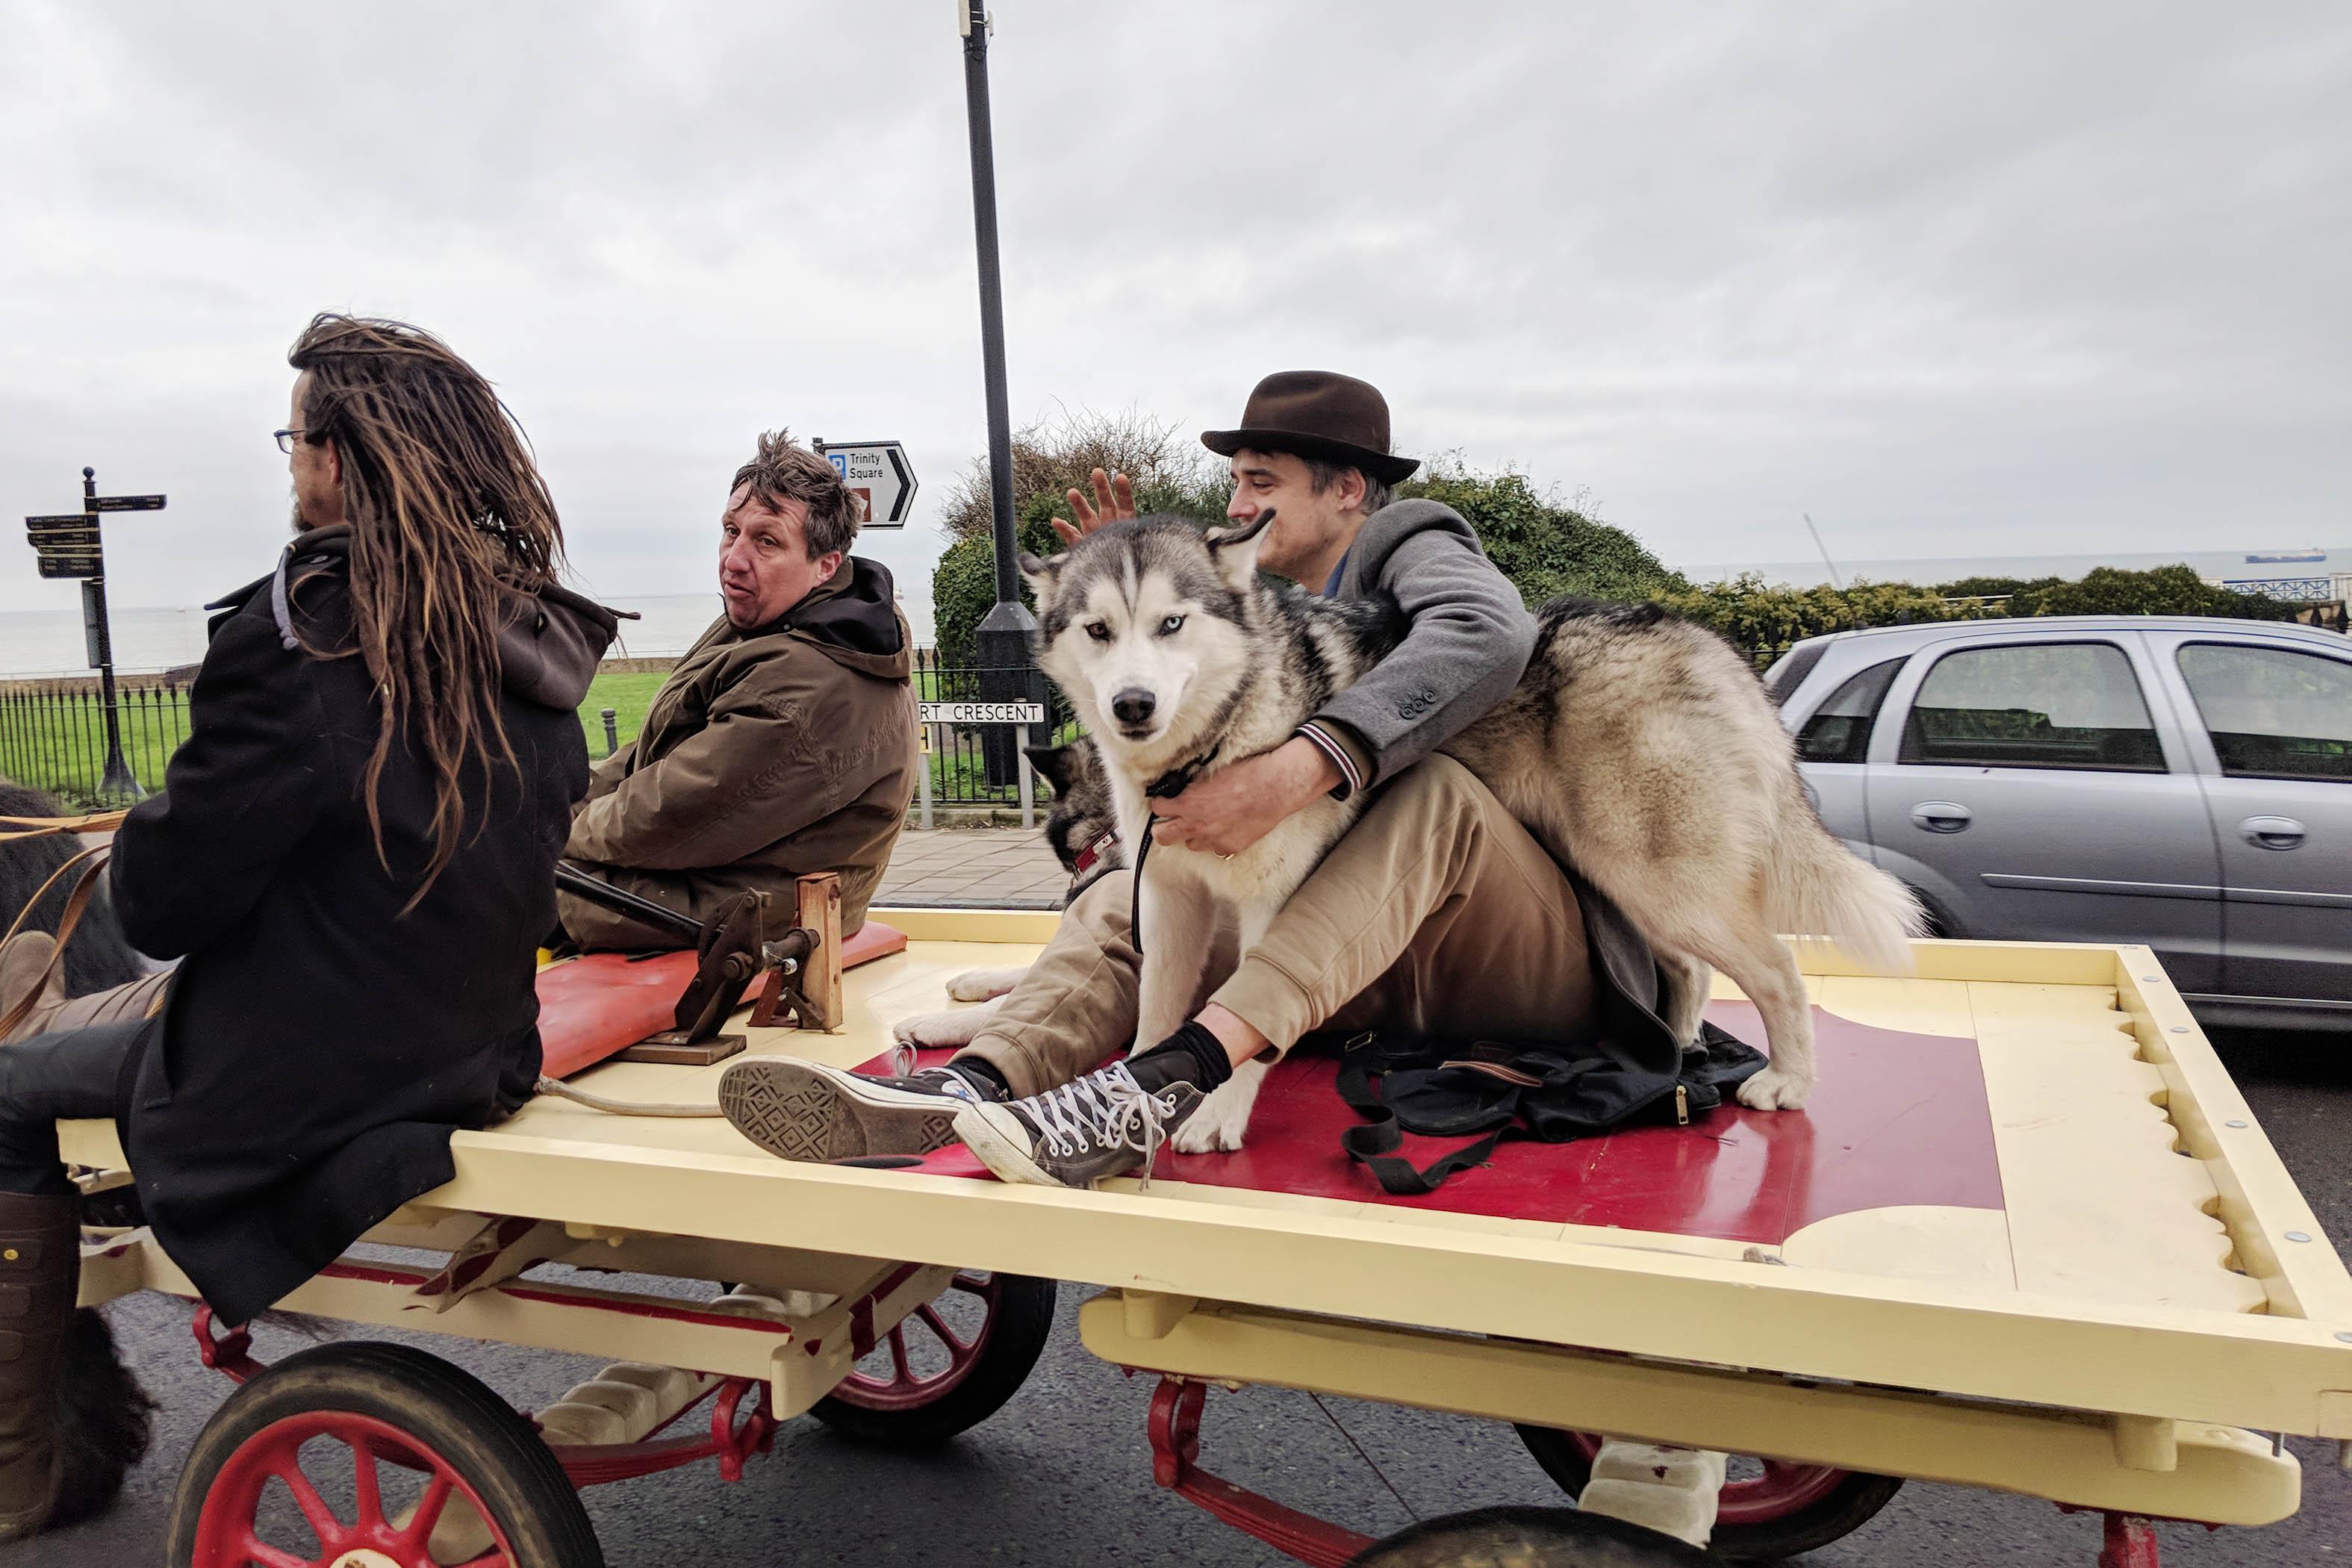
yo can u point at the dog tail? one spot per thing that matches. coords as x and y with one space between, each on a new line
1820 888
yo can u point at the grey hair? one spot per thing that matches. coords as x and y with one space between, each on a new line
1321 476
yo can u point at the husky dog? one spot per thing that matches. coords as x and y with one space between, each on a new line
1638 748
1083 835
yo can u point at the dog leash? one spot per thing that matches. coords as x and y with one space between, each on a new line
1174 781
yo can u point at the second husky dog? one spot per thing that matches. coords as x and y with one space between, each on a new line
1637 747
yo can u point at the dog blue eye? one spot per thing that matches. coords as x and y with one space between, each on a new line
1168 628
1098 631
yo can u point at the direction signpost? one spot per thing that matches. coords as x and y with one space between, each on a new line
69 546
878 475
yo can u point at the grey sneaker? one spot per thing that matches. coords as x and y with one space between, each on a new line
800 1110
1103 1124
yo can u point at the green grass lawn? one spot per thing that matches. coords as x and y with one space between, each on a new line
628 696
58 743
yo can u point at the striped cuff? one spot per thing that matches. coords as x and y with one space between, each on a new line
1351 778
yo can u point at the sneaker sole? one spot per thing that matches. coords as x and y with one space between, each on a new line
799 1110
1007 1155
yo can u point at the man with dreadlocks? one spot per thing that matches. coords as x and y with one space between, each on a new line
354 860
784 740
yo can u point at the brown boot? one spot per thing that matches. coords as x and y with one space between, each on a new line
41 1273
25 963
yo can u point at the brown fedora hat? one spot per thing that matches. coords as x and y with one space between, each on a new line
1316 414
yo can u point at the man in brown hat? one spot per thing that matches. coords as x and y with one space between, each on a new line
1438 915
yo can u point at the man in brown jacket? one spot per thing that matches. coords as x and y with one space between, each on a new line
784 743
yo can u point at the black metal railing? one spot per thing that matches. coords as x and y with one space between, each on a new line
53 735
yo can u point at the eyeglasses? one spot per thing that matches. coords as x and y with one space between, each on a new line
285 440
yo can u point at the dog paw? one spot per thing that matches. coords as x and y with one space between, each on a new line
981 984
1217 1127
1773 1089
959 1026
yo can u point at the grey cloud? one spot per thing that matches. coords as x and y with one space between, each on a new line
1952 277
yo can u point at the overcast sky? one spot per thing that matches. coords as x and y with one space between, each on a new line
1957 279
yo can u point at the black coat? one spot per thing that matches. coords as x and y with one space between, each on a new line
319 1046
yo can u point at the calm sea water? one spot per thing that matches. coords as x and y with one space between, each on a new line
46 642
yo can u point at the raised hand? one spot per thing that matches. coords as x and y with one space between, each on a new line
1114 502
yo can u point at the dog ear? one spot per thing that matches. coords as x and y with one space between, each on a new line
1053 762
1234 550
1041 573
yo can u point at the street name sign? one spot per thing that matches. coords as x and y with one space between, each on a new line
878 475
124 503
983 712
77 567
46 535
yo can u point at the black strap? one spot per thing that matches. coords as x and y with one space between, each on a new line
1175 780
1375 1144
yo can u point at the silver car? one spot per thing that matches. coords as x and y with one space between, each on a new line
2181 783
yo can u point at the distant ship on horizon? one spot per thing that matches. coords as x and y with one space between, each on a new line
2283 557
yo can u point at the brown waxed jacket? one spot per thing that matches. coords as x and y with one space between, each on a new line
767 754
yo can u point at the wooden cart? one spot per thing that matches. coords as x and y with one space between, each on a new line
2028 1236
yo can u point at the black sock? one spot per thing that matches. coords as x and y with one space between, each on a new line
1192 1054
982 1076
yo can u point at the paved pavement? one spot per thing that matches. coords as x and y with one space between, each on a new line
990 867
1061 1477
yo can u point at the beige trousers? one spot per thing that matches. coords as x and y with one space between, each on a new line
1436 914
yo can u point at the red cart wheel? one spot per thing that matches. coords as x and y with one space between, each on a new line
949 1365
1768 1509
373 1455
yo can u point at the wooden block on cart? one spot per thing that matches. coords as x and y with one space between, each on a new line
813 1000
672 1048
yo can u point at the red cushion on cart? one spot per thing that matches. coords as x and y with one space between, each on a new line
874 939
602 1002
1899 1118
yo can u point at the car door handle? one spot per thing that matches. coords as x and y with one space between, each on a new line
1942 815
2273 832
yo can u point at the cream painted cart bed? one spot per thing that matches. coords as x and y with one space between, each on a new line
2029 1238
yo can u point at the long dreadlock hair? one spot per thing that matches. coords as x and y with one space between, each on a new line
452 530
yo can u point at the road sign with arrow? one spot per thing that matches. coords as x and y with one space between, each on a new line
878 475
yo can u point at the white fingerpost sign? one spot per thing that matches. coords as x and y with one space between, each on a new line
1014 713
878 475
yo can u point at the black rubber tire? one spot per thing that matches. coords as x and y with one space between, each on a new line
1018 1327
1527 1538
444 1409
1853 1503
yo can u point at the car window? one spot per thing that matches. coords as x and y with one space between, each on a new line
2274 713
1789 671
1839 730
2035 705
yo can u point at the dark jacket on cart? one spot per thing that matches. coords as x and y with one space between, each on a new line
767 754
319 1045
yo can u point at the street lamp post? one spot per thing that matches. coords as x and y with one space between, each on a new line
1002 638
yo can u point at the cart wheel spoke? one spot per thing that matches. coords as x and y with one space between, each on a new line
367 1495
321 1519
978 1285
253 1549
901 1374
429 1508
957 1348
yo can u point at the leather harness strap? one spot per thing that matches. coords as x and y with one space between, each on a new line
1174 781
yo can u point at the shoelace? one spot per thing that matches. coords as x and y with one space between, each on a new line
902 1059
1109 1109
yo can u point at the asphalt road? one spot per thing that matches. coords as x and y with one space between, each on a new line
1061 1478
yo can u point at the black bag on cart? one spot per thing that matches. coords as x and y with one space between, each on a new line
1549 1092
